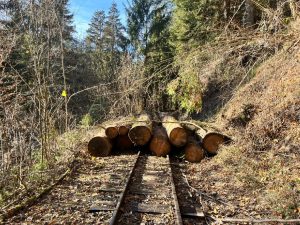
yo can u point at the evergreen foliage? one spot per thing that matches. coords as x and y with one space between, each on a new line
96 30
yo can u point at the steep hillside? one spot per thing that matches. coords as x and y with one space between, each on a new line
258 175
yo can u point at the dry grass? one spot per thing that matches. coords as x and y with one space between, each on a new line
264 118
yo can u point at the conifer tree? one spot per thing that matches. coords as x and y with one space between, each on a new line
96 30
66 18
114 31
148 30
143 22
114 40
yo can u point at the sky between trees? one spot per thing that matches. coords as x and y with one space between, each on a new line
84 10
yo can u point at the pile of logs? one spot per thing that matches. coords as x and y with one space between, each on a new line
160 138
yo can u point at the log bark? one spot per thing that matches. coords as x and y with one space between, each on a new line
111 132
159 144
99 146
249 14
141 131
176 133
123 143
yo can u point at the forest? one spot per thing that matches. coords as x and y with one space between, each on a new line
231 63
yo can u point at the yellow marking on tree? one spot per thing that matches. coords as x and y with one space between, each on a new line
64 93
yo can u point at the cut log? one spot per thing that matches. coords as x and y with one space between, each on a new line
99 147
123 143
193 151
159 144
140 133
211 141
124 129
176 133
111 132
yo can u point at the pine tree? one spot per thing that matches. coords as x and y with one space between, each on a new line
95 32
148 29
66 18
193 20
114 31
95 46
114 40
147 22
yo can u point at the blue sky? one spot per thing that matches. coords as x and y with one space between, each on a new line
83 11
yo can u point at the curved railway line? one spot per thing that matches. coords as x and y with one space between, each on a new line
141 190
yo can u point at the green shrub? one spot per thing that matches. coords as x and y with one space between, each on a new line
86 120
99 108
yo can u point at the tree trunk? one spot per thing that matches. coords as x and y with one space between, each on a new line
226 9
111 132
140 133
249 15
159 144
193 151
177 135
99 146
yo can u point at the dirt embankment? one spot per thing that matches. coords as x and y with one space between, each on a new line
258 176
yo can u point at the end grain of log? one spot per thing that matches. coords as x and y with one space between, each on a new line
212 142
141 131
123 130
176 133
99 147
111 132
123 143
194 153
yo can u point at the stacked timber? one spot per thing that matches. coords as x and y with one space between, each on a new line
161 138
111 132
124 129
141 131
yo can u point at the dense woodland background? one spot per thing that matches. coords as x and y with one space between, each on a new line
189 56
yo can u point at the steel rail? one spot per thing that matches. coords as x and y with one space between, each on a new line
114 217
176 203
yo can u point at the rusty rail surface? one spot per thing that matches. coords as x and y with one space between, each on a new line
114 217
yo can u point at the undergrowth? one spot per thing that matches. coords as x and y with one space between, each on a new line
251 90
263 116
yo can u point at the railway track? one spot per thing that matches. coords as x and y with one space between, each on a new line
142 191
